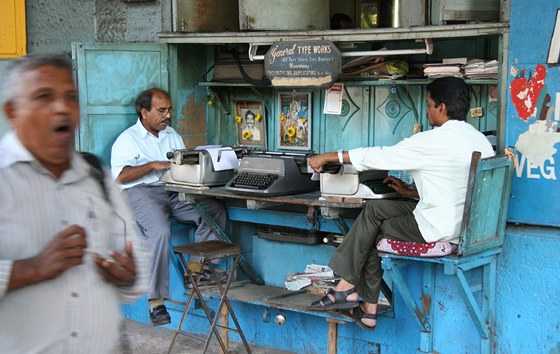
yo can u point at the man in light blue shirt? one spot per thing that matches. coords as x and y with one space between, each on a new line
69 254
138 160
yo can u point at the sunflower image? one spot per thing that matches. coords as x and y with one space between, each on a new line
247 135
238 119
258 117
303 120
282 117
291 131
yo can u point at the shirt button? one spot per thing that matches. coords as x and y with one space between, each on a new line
74 334
74 294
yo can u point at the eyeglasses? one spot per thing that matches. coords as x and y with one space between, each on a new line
164 111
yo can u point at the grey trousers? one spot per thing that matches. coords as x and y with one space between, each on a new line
356 260
152 207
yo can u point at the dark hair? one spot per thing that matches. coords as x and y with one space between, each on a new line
21 65
144 99
338 19
249 112
454 92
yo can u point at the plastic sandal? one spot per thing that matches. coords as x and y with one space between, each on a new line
339 303
357 315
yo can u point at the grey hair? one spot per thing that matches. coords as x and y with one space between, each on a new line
21 65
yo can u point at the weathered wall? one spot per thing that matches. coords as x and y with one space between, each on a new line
52 25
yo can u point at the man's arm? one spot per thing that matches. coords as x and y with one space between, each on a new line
65 251
316 162
132 173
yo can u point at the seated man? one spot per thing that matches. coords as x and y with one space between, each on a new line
439 161
138 159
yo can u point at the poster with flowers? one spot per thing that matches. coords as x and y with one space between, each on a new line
294 120
251 123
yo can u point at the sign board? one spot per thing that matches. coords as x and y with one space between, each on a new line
303 64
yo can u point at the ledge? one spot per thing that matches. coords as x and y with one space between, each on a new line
353 35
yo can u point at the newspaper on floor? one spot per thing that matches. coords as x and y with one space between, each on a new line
315 276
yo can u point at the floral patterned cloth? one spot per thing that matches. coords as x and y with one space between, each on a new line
434 249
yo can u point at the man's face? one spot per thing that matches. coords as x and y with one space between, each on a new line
158 118
437 115
250 120
44 115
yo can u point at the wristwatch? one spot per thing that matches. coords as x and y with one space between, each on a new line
340 154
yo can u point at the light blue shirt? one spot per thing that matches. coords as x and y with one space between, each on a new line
136 146
78 311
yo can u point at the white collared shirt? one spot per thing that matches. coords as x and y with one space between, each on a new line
136 146
439 161
77 312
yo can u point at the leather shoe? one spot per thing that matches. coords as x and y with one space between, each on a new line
159 316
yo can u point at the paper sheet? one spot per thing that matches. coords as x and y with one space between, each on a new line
223 157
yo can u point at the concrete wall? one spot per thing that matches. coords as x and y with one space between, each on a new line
52 26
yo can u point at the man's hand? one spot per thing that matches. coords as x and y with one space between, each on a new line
160 165
121 270
65 251
400 187
132 173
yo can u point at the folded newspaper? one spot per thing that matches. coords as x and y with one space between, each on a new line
315 276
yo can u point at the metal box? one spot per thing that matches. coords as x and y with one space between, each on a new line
283 15
460 11
205 16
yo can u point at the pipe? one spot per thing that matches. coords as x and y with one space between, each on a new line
428 50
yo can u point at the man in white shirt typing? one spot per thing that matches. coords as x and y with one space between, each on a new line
438 161
138 160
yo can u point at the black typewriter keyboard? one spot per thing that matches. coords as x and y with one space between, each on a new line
253 181
378 187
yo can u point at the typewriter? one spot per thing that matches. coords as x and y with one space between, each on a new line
272 173
210 166
345 181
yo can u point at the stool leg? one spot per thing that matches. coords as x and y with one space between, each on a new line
224 300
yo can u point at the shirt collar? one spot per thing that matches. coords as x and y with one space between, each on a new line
12 151
143 132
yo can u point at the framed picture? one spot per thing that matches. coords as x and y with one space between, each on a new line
251 123
294 120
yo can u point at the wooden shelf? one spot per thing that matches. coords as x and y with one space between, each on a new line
351 35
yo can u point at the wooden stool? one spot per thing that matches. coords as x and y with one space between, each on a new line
209 251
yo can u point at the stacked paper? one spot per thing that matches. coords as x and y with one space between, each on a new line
481 69
434 71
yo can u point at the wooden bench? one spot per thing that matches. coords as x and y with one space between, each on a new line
481 238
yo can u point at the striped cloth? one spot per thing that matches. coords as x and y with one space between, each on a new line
77 312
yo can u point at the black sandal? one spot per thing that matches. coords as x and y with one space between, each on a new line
339 303
357 315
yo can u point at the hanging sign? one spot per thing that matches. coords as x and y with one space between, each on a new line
302 64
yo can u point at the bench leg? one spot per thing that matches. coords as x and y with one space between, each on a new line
333 335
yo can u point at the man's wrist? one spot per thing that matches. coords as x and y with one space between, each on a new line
340 154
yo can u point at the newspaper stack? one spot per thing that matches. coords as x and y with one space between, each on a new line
437 70
315 276
481 69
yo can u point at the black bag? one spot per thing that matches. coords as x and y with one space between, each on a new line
231 67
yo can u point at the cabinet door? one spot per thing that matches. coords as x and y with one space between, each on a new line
109 78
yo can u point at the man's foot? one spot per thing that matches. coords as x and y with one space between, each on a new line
336 300
159 315
364 319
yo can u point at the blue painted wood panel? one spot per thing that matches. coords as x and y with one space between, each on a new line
535 186
110 77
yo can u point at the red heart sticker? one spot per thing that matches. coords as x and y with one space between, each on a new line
525 94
